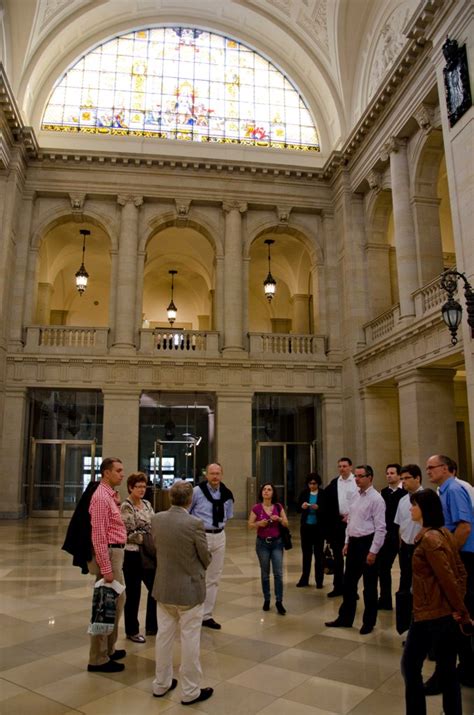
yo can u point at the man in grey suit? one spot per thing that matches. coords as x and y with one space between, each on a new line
180 589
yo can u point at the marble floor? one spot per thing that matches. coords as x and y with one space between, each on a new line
258 663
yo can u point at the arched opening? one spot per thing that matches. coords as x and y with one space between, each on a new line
60 256
188 252
294 305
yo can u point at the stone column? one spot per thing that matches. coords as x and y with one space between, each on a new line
245 296
43 306
332 415
125 316
233 278
427 414
329 321
428 238
20 289
12 446
404 228
31 294
300 314
381 429
113 292
218 302
139 295
378 269
121 428
234 444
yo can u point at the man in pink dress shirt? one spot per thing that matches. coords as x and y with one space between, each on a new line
365 535
108 540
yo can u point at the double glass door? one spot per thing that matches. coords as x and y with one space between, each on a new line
60 470
286 465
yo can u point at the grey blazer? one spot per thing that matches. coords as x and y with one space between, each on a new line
182 557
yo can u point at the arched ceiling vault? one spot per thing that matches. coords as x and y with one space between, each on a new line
323 46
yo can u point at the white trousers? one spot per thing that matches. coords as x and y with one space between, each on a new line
171 619
216 543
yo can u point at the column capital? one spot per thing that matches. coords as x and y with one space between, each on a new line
123 199
239 206
392 146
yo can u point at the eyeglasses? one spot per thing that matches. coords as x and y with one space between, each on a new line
434 466
362 476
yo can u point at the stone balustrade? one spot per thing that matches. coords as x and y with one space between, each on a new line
427 300
169 343
284 346
66 339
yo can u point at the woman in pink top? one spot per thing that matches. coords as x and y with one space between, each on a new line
266 517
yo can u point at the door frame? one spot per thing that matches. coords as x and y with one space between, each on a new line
61 512
284 445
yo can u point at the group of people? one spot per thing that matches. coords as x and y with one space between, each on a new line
189 541
432 534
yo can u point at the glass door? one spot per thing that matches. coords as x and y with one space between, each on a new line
59 472
286 465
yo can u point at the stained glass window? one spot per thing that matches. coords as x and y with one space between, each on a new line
181 83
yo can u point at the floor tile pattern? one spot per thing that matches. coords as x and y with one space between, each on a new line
259 663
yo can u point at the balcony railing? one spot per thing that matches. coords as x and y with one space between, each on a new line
61 338
427 301
171 343
286 346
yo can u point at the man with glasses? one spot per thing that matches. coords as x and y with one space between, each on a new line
410 477
365 536
459 519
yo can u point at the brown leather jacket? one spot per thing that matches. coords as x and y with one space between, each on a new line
439 576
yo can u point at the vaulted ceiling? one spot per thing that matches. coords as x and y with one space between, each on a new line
336 52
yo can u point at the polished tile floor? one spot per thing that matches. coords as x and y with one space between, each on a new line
258 663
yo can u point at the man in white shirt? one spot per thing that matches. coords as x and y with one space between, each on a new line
338 496
410 477
365 535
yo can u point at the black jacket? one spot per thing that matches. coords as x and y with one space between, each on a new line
78 541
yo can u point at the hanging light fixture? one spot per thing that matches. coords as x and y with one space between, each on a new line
172 309
82 275
269 284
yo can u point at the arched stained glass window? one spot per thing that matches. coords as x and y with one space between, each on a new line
181 83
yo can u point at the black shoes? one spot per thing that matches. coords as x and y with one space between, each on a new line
319 585
337 624
210 623
173 685
205 694
110 667
384 605
365 630
302 584
118 654
280 608
334 593
266 606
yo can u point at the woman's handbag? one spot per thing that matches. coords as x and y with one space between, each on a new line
285 534
328 560
403 610
148 551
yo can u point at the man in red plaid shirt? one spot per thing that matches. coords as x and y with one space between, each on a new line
108 539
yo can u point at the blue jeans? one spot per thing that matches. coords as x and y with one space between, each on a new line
271 553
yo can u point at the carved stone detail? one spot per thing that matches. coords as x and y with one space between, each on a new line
424 116
137 201
392 145
182 210
390 42
283 213
374 179
240 206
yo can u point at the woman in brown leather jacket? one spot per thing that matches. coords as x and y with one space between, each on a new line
439 586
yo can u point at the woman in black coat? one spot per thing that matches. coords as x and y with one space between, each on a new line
311 506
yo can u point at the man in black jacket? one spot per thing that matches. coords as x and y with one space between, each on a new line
338 496
391 494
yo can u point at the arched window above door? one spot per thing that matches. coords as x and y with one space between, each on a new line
181 83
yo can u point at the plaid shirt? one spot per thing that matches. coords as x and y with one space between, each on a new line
107 525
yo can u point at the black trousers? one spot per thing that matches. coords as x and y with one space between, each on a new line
385 559
357 566
405 556
336 541
422 636
312 543
134 574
